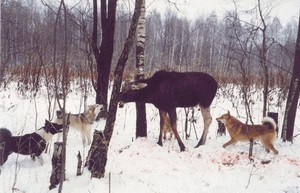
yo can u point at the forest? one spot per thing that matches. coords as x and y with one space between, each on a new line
209 43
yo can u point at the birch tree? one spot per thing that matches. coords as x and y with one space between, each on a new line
141 123
293 95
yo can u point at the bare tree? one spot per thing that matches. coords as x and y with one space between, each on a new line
104 53
263 51
293 96
98 156
242 49
61 75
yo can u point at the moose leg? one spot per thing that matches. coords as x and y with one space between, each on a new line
207 121
173 119
163 121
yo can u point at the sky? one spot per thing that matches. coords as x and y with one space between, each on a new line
283 9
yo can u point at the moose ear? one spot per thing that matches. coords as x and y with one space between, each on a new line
138 86
228 113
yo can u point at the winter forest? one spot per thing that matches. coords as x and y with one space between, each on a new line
61 54
209 43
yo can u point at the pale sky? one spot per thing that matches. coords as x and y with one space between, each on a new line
283 9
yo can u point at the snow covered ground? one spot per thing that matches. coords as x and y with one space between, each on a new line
140 165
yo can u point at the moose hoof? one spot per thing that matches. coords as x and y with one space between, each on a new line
198 145
182 148
159 143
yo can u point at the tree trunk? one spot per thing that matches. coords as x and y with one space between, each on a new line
263 60
118 74
56 165
97 155
251 150
141 121
79 164
103 55
61 82
2 67
293 96
274 116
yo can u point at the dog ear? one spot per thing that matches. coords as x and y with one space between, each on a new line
46 127
91 107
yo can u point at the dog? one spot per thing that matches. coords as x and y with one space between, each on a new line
32 144
221 129
239 131
82 121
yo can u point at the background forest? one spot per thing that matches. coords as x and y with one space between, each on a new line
211 44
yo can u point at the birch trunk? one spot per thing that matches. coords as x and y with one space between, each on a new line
141 122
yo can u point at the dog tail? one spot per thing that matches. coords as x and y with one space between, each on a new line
268 121
5 138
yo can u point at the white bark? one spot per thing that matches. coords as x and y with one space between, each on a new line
141 36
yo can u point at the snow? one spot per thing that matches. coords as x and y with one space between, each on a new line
140 165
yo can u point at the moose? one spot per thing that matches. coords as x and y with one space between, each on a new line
168 90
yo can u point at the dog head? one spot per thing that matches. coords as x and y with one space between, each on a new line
224 117
49 130
52 128
94 109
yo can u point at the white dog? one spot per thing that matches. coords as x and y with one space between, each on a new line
82 121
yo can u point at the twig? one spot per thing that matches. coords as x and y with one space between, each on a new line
252 172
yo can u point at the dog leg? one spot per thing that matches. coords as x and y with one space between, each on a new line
41 160
269 146
32 157
83 138
231 141
88 134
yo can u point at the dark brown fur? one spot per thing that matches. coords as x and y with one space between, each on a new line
169 90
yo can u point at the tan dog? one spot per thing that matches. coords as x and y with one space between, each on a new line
82 121
239 131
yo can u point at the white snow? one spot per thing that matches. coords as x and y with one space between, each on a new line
140 165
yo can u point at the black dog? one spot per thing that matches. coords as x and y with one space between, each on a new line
29 144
